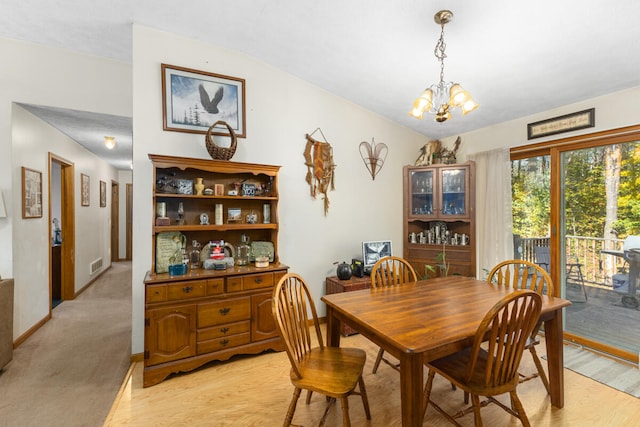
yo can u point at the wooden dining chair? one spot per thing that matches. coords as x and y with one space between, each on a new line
390 271
521 274
332 371
491 369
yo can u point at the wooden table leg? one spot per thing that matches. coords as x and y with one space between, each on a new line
555 358
411 368
333 329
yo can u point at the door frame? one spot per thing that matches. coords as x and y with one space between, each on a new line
67 224
115 221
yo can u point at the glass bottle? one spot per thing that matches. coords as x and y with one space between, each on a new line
194 255
242 251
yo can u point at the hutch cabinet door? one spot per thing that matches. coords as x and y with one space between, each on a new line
170 334
263 326
421 184
454 192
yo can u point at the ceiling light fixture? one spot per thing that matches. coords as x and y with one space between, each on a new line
441 98
110 142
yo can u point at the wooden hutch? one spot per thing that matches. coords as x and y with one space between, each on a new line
207 314
439 217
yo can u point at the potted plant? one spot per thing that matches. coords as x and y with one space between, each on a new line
441 264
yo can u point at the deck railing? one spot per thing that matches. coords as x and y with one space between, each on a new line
597 268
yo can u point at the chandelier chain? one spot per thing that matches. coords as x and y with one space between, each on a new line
439 52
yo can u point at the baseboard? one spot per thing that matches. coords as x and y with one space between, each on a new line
22 338
138 357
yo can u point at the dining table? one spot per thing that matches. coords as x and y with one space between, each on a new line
425 320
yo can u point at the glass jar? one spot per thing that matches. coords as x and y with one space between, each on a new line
242 250
194 255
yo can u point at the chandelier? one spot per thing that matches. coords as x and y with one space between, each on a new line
442 97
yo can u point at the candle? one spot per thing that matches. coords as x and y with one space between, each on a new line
218 214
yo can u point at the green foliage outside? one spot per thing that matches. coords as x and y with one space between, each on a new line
585 193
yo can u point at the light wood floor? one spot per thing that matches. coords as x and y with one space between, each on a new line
255 391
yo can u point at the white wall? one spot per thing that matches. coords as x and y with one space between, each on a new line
37 75
281 109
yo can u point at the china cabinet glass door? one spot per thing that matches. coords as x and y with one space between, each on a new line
422 195
453 199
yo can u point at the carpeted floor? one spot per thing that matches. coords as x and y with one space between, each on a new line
614 374
70 370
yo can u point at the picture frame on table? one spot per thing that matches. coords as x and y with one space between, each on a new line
103 194
31 193
193 100
85 190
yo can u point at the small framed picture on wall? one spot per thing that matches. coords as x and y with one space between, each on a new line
103 194
31 193
85 190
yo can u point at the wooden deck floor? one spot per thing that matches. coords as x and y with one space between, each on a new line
602 318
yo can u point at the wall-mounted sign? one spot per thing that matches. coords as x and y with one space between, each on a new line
560 124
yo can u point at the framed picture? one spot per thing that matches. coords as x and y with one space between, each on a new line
219 189
194 100
84 189
567 123
31 193
234 215
103 194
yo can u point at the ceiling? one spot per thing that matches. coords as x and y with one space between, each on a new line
516 59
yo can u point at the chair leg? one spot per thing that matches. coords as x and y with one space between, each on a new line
309 394
519 408
475 401
365 398
427 391
540 369
584 290
378 360
292 407
344 402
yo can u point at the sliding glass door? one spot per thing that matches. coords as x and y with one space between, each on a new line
599 211
576 208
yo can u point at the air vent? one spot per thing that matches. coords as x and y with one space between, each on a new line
95 266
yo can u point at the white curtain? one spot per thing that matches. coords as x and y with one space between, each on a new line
494 222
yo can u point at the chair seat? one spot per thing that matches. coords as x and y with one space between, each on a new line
454 368
330 371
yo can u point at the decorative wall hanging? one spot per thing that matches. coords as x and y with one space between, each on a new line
567 123
194 100
318 156
31 193
373 155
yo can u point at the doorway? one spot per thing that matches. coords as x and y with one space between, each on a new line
61 231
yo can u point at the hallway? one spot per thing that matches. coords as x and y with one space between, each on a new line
70 370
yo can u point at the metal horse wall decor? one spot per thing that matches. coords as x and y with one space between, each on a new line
373 155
